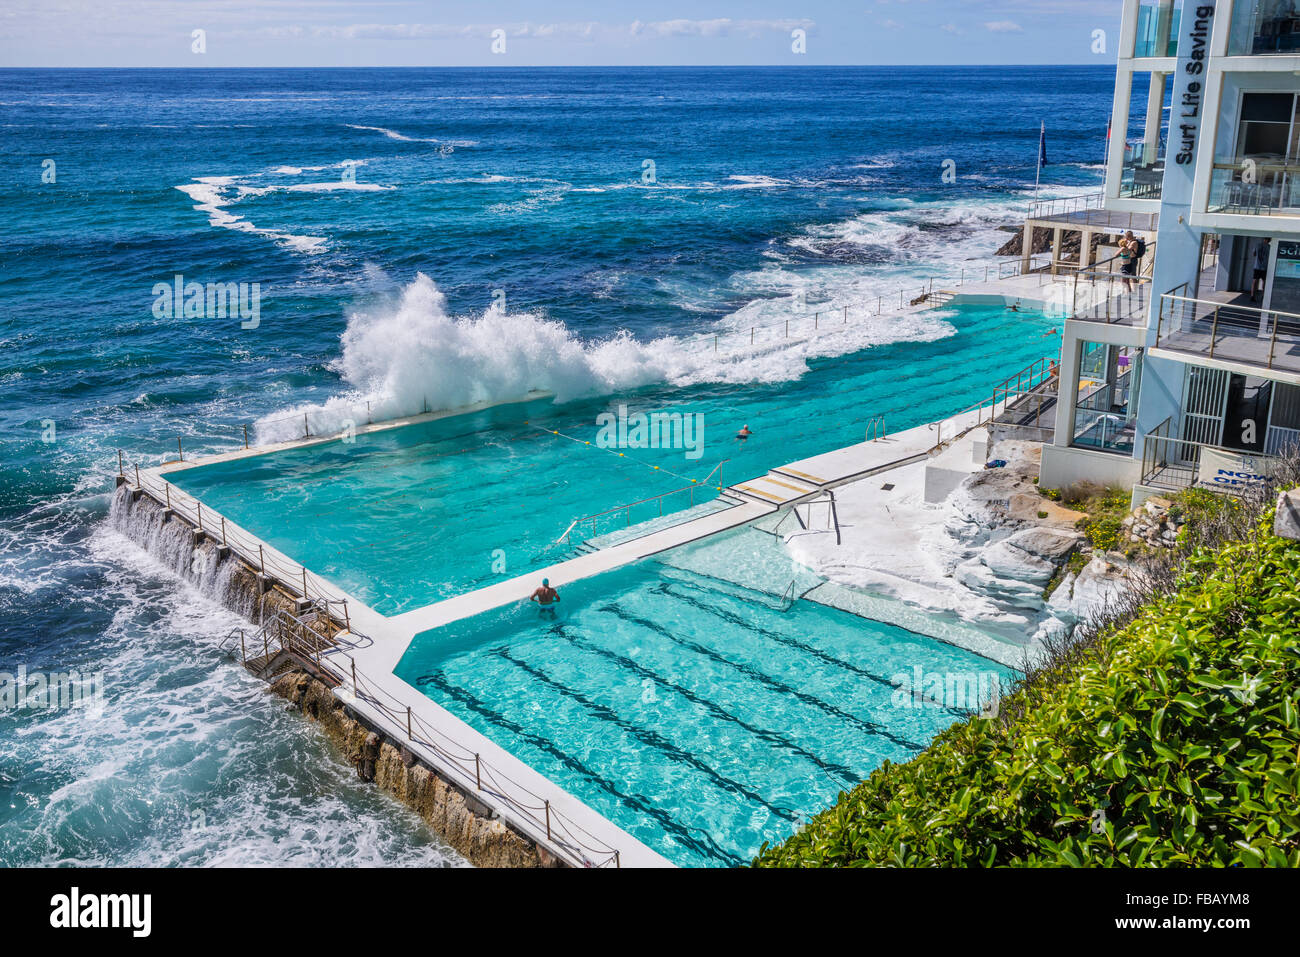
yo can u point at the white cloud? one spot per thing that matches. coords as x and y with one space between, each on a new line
1004 26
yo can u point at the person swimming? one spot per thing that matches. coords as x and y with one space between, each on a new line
744 433
547 597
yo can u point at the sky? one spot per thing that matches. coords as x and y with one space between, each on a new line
269 33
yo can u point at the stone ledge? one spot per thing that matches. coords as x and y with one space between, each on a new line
465 822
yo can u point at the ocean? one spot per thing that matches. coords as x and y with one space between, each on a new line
416 238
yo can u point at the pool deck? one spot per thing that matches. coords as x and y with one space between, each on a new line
376 643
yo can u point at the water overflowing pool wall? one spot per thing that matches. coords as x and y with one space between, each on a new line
464 820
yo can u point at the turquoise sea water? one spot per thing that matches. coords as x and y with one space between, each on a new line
777 192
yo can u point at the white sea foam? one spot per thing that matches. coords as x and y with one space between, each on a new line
410 354
209 195
402 137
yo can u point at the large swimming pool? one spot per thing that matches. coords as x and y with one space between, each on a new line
404 517
694 700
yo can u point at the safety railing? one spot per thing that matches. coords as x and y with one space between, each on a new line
1111 298
1259 337
626 510
530 811
1062 206
832 515
1174 463
1036 375
833 317
1090 210
292 576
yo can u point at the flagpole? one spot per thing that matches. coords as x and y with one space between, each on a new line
1038 159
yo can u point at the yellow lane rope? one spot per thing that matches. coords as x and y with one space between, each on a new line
623 455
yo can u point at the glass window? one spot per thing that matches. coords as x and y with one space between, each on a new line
1264 26
1157 32
1105 410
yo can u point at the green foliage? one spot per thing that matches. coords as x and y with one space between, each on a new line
1105 508
1105 532
1175 742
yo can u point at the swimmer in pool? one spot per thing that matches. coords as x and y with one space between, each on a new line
743 434
547 597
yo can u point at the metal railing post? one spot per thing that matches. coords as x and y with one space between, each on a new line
478 775
1214 331
179 452
409 735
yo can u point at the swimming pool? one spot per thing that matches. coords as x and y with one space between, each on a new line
404 517
692 699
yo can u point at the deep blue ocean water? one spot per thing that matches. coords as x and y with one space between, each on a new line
525 200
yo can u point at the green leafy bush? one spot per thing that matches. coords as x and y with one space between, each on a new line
1174 741
1105 532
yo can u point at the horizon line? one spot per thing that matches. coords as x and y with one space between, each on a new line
585 66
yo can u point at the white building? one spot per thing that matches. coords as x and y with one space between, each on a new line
1191 374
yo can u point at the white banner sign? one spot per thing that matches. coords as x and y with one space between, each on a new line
1231 470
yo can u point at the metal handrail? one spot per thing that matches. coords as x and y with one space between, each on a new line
1226 317
563 539
283 632
1154 463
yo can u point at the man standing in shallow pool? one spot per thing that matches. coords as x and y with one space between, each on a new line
547 597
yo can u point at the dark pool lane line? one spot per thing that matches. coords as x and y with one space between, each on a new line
870 727
704 845
649 738
734 619
777 740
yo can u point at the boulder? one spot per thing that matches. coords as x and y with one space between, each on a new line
1287 522
1005 560
1051 544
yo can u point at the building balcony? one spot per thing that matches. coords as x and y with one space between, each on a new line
1107 296
1143 172
1254 186
1264 27
1241 335
1157 29
1172 462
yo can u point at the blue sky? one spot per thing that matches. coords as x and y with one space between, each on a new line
552 32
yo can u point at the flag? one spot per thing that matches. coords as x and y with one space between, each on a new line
1042 146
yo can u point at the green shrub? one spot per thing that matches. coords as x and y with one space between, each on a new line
1173 742
1105 532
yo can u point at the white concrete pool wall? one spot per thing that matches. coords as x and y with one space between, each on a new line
382 641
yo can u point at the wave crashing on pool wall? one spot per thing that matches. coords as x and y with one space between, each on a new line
408 354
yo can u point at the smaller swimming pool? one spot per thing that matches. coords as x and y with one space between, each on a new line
694 700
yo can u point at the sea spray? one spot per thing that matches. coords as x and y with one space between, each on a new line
410 355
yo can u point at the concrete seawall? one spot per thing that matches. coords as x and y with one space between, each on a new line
464 821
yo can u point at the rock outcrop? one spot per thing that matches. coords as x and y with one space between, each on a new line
466 823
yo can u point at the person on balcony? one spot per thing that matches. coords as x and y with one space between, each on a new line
1261 269
1128 260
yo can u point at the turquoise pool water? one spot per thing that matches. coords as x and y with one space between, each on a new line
686 701
405 517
